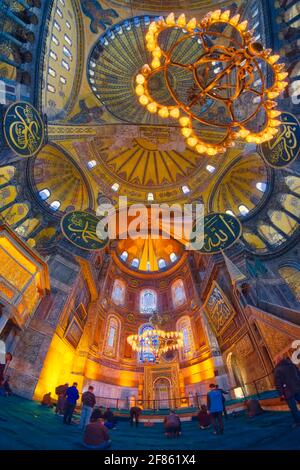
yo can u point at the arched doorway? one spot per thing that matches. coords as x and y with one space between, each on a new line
235 375
162 393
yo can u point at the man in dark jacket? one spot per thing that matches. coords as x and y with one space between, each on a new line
72 396
88 402
135 412
287 382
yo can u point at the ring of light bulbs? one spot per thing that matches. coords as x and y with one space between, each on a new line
244 59
156 342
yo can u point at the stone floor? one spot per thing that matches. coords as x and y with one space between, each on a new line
27 425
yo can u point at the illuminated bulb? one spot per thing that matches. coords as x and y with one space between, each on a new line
184 121
273 113
153 27
175 113
270 104
274 58
149 36
192 141
273 94
279 67
200 148
181 20
155 63
244 133
140 79
186 131
151 45
235 19
144 100
273 130
211 151
152 107
274 122
225 15
242 26
140 90
282 75
281 85
216 14
249 138
192 24
170 20
163 112
157 52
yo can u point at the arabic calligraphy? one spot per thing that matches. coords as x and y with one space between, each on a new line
23 129
220 232
80 228
285 146
218 309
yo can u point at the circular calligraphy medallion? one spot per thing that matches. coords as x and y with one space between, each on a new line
220 231
23 129
284 148
80 228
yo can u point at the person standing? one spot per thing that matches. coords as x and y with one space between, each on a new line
88 402
4 366
224 400
135 412
215 408
72 396
61 391
287 382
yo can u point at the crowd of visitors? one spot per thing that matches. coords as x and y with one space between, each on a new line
95 422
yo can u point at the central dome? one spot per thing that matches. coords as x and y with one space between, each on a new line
149 255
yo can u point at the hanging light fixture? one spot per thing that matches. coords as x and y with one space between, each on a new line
230 69
156 341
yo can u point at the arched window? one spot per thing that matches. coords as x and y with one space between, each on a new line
55 205
270 234
162 264
254 241
112 337
173 257
178 293
145 355
135 263
293 183
184 325
148 301
261 186
118 292
243 209
291 204
210 168
283 221
44 194
7 195
91 164
6 174
124 255
291 276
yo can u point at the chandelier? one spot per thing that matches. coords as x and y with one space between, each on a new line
228 92
156 341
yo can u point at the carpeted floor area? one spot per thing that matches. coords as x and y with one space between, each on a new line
27 425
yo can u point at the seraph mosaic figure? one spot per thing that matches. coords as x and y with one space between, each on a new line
99 16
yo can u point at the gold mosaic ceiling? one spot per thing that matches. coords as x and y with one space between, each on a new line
55 171
237 185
